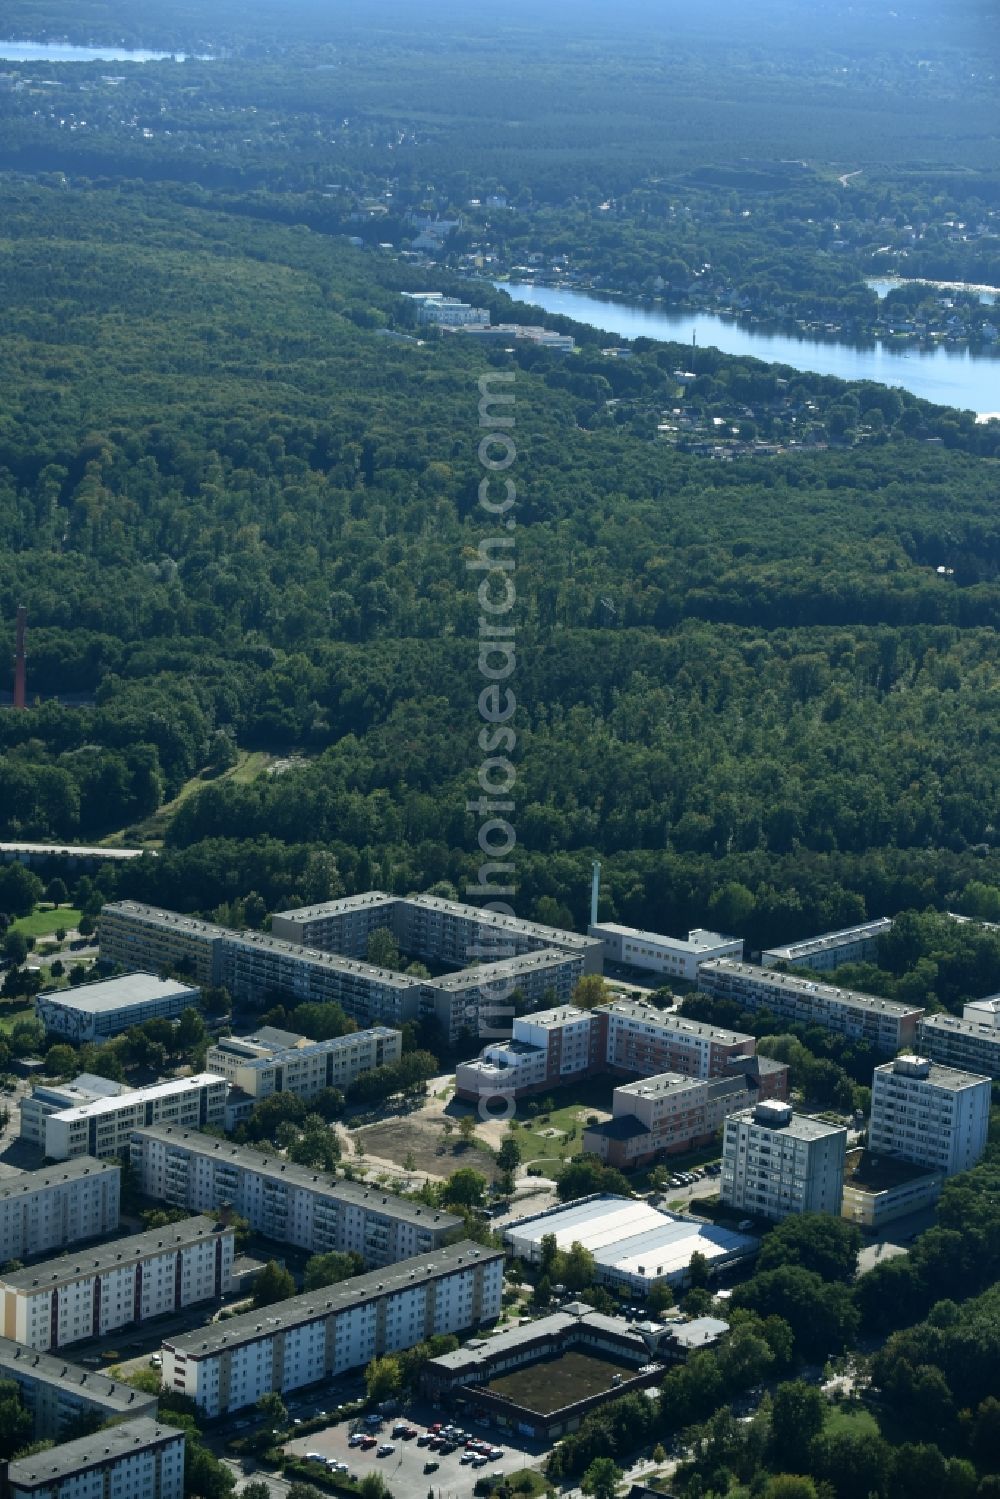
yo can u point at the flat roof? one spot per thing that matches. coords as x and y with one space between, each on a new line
72 1170
74 851
436 1263
106 1446
695 942
800 984
984 1030
20 1362
552 936
661 1084
560 1015
923 1070
84 1088
164 1089
485 973
108 995
629 1236
159 916
276 1167
797 1127
825 940
481 1352
244 942
100 1257
669 1020
344 906
268 1045
875 1172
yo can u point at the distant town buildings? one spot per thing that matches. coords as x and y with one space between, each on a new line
229 1366
886 1024
674 957
92 1012
96 1291
776 1162
289 1203
852 944
60 1205
931 1115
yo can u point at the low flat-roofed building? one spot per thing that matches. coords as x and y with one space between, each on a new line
852 944
276 1061
886 1024
314 1337
58 1393
92 1012
52 1098
139 1459
634 1244
935 1116
108 1286
58 1205
986 1011
104 1127
776 1162
675 957
879 1188
970 1044
289 1203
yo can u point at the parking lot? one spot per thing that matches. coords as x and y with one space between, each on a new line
404 1470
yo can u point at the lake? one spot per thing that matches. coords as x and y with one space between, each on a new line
65 52
949 376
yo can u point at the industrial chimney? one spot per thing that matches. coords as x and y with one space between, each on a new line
20 658
595 891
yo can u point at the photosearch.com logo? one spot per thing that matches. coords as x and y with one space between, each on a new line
495 559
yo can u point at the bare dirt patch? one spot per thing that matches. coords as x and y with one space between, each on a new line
424 1139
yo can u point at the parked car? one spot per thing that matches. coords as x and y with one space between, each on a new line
424 1438
367 1443
480 1461
386 1449
431 1467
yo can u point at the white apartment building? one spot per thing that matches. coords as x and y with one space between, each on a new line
58 1393
314 1337
277 1061
52 1098
59 1205
674 957
852 944
886 1024
776 1162
932 1115
110 1286
289 1203
546 1050
92 1012
971 1044
104 1128
140 1459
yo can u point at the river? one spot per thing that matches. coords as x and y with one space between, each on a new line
948 375
66 52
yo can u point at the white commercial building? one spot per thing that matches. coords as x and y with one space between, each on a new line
92 1012
105 1127
852 944
290 1203
776 1162
634 1245
931 1115
314 1337
675 957
59 1205
128 1281
276 1061
886 1024
139 1459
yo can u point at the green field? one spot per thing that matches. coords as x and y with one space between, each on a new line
11 1014
43 921
566 1122
853 1418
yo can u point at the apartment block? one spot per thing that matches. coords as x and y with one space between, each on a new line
972 1045
104 1127
338 926
289 1203
58 1393
314 1337
140 1459
637 1039
46 1099
447 931
852 944
657 1117
129 1281
149 939
277 1061
257 965
776 1162
674 957
479 999
886 1024
67 1204
547 1050
92 1012
931 1115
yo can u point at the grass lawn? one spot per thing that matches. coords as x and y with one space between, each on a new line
528 1481
43 921
248 766
549 1139
11 1014
854 1418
